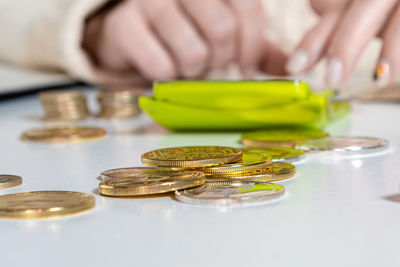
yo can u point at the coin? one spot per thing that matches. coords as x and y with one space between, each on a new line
118 104
7 181
227 193
280 137
345 144
277 171
44 204
127 172
66 105
279 153
191 156
63 134
151 183
250 163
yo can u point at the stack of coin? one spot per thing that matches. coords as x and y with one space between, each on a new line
118 104
207 175
64 105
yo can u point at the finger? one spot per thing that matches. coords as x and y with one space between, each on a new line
361 22
274 59
321 7
250 38
137 45
217 23
314 44
179 35
388 67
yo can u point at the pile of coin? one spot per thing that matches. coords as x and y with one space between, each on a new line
205 175
118 104
64 105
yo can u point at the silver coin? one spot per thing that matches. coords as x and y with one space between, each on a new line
345 144
229 193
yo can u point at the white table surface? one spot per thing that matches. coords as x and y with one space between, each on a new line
334 213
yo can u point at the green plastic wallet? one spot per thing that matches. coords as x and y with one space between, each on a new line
236 105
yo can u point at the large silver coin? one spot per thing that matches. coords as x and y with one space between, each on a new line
228 193
345 144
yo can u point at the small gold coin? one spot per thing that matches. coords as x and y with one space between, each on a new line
192 156
151 183
279 153
277 171
280 137
227 193
44 204
7 181
251 163
63 134
127 172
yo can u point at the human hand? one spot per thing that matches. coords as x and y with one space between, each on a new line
344 30
167 39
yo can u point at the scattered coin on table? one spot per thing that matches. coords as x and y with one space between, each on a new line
227 193
8 181
277 171
127 172
191 156
151 183
286 154
63 134
251 163
44 204
286 137
346 144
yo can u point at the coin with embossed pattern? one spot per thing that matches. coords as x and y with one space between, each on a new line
192 156
151 183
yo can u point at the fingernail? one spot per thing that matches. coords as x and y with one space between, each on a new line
297 62
382 73
334 73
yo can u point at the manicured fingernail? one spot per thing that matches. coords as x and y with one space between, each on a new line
382 73
297 62
334 72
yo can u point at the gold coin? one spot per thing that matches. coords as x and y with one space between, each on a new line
151 183
118 104
192 156
250 163
44 204
285 137
63 134
7 181
279 153
127 172
277 171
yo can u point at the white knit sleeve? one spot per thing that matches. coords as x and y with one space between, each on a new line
47 35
